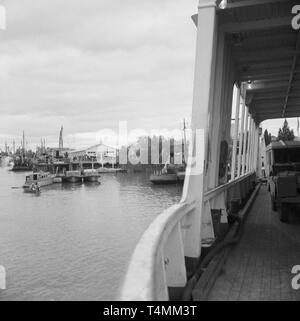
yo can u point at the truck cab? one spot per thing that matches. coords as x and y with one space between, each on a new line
283 177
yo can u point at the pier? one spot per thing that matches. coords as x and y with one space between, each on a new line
246 69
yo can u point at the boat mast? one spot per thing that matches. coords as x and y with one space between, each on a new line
61 142
184 141
23 147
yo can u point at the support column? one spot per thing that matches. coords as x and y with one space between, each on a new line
256 149
248 144
252 146
216 115
241 134
258 157
235 137
245 141
227 87
202 105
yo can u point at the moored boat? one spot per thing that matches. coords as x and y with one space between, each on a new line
90 175
104 170
21 165
72 177
168 175
34 181
164 178
21 168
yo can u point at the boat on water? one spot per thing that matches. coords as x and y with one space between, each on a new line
111 170
91 175
21 168
168 175
172 174
35 181
163 178
72 177
21 165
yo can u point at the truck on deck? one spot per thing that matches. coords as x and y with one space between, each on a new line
283 173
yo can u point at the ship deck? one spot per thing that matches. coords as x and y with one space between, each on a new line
259 266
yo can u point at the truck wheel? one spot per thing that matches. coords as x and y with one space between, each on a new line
273 203
284 213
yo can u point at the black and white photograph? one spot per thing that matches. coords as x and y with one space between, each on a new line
149 152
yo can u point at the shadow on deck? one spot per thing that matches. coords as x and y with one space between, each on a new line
259 266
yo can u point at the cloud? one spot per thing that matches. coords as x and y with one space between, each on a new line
88 64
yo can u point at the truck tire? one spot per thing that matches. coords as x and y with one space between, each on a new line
273 203
284 213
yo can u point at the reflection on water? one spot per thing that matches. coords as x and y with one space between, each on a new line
74 241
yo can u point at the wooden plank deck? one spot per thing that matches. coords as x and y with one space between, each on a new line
259 266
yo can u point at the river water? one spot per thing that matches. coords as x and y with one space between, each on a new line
74 242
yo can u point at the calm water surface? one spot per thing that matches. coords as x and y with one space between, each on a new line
74 242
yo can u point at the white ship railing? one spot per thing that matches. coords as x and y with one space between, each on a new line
158 261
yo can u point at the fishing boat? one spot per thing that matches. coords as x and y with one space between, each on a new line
34 181
167 175
104 170
21 163
22 167
72 177
90 175
170 174
163 178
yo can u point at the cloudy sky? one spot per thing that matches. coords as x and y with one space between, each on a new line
87 64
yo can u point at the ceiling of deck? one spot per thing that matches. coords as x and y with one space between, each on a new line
266 51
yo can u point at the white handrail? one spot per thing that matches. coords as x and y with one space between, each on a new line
218 190
143 278
158 258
